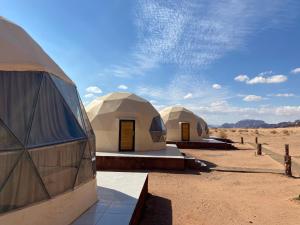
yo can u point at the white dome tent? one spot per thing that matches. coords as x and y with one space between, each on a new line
125 122
47 148
183 125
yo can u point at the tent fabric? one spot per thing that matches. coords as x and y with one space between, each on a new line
174 116
18 94
58 165
53 121
44 128
71 98
8 140
19 52
106 112
22 187
52 140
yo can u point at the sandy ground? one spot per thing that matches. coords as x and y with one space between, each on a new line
274 139
225 198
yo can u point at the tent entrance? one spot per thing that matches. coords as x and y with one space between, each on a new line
185 131
126 135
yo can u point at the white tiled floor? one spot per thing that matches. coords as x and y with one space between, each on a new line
170 152
118 193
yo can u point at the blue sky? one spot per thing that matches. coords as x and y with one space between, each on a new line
224 59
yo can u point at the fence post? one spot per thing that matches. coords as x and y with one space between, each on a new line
256 140
258 149
288 161
287 149
242 140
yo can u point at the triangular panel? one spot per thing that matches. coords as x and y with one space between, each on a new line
58 165
8 160
23 186
85 171
53 121
69 93
18 93
7 140
89 129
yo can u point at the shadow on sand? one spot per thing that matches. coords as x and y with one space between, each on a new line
157 211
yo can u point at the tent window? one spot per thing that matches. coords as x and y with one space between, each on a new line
158 130
199 129
47 145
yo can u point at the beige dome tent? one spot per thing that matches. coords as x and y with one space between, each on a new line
183 125
47 149
19 52
126 122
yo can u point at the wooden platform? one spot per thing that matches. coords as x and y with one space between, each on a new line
167 159
205 144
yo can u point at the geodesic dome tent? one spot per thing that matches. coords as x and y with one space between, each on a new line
47 145
126 122
183 125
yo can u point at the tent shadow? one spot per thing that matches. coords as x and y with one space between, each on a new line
157 211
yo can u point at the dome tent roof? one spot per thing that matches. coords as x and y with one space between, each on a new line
174 115
106 112
46 141
19 52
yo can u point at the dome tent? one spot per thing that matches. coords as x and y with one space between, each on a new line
47 145
183 125
126 122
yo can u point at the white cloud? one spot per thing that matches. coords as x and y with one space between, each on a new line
252 98
89 95
122 87
94 89
241 78
216 86
267 80
195 33
153 101
288 110
269 72
285 95
159 107
296 70
188 96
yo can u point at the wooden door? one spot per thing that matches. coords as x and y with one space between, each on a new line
126 135
185 131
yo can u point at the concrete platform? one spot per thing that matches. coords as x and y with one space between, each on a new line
204 144
167 159
121 199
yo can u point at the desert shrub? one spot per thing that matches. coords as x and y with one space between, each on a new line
256 132
273 132
286 132
243 130
233 130
222 134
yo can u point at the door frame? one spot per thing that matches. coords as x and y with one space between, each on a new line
188 130
133 137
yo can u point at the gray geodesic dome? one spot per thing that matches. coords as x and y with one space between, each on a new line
47 145
106 112
175 115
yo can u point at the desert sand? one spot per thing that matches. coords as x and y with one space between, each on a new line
260 194
273 139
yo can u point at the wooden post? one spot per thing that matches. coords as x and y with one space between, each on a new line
258 149
256 140
287 149
288 161
242 140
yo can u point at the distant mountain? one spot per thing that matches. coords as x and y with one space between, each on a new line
259 124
